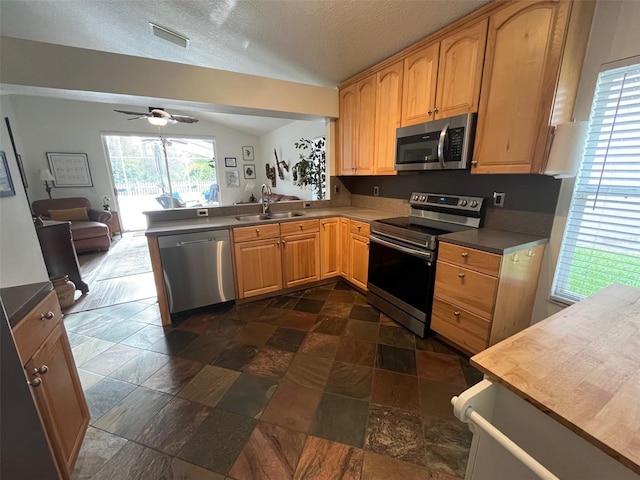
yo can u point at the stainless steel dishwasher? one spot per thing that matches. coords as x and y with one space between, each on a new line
197 269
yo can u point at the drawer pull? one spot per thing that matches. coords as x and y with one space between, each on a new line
43 370
531 253
36 382
359 227
257 231
284 242
461 275
464 254
300 225
47 316
456 313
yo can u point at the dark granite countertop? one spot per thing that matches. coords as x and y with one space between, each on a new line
494 241
19 300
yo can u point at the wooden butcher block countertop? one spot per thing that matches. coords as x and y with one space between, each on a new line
581 366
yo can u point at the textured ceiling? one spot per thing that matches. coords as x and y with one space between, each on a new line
320 42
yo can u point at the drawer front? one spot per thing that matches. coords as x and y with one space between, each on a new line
256 232
471 258
470 290
360 228
469 331
295 228
36 326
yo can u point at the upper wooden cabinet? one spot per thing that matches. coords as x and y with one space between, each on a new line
460 71
356 127
347 130
443 79
532 67
387 118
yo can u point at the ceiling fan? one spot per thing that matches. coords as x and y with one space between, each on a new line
159 117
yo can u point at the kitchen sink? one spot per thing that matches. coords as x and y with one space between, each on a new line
253 218
268 216
286 214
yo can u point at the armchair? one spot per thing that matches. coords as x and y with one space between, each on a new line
89 232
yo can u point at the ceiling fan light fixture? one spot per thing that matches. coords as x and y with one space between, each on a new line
158 121
168 35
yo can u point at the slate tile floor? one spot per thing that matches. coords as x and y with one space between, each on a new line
312 385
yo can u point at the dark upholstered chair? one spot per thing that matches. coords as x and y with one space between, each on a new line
91 234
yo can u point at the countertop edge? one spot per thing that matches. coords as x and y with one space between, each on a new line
20 299
525 241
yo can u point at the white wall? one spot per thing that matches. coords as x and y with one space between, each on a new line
283 140
615 35
21 260
67 126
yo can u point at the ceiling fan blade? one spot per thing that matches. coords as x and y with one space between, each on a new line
141 114
138 118
184 118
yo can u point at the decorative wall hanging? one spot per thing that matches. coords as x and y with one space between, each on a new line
247 154
271 174
230 162
249 170
6 184
70 169
280 165
232 178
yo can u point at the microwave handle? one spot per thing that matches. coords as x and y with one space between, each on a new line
443 136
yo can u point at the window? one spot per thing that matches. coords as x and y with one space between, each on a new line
601 243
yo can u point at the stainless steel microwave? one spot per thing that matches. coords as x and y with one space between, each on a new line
437 145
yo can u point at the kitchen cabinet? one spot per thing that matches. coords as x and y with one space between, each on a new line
387 118
532 67
443 79
358 253
347 130
44 349
329 247
258 260
344 232
481 298
300 252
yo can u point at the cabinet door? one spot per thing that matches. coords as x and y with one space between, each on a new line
366 111
301 259
329 248
258 267
345 247
460 71
359 261
419 85
59 398
347 130
388 112
524 46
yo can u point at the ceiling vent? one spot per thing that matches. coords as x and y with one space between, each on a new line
169 36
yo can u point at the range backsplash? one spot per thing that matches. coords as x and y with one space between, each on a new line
529 206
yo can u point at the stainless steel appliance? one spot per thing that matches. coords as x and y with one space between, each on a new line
403 252
436 145
197 269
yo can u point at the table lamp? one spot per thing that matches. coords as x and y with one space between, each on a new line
46 177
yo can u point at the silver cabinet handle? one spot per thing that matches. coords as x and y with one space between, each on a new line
301 227
474 162
464 254
430 112
47 316
36 382
435 110
531 253
42 370
257 232
461 275
456 313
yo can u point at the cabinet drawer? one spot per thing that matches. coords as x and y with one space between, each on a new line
471 290
294 228
360 228
471 258
464 328
256 232
36 325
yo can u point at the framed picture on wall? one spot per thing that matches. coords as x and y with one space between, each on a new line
249 170
232 178
230 162
6 184
70 169
247 154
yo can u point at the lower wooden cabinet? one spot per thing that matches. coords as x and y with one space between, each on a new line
344 234
301 259
359 260
50 369
258 267
329 247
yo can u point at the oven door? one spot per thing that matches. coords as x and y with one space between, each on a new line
402 276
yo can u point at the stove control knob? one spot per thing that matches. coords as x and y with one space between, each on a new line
463 203
415 197
474 203
423 198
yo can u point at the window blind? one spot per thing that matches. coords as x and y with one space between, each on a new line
601 243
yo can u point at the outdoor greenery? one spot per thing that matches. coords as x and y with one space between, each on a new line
611 268
311 168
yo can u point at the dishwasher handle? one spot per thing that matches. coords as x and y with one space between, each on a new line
192 242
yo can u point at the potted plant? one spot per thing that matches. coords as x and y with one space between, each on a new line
310 170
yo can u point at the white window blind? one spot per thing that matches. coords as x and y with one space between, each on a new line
601 243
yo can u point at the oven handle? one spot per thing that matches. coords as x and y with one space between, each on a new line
395 246
443 136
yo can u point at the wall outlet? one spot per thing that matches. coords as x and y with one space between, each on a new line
202 212
306 205
498 199
336 189
376 191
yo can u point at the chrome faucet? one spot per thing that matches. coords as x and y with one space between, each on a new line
265 201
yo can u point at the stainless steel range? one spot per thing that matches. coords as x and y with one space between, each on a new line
403 251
